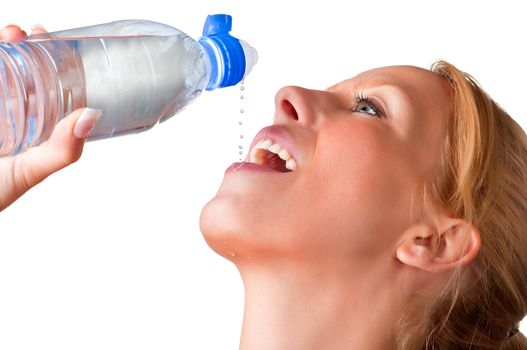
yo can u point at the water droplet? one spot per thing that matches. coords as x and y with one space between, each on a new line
240 122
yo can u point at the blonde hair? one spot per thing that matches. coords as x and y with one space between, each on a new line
481 178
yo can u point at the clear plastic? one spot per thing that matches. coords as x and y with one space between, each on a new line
137 72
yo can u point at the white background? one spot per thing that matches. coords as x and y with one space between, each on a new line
107 254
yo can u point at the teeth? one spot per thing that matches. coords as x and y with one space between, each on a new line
275 148
290 164
265 144
257 157
284 154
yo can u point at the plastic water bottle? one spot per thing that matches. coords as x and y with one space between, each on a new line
137 72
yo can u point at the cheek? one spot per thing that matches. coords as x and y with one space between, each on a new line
359 188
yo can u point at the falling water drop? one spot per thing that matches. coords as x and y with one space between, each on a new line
240 122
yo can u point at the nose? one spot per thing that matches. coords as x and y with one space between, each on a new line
304 107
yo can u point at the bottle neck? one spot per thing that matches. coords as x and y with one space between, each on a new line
216 63
227 61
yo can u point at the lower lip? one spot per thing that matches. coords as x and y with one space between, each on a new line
245 166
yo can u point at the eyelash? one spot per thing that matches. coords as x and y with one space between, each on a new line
360 97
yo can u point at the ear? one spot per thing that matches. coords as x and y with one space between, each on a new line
439 249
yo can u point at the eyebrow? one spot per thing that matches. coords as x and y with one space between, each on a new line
382 85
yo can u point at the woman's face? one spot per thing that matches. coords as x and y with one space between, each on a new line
360 149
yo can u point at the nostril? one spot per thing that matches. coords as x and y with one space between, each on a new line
289 109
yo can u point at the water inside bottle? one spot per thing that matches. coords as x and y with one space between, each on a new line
139 80
136 81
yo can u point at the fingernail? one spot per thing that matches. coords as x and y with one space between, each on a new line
86 122
37 26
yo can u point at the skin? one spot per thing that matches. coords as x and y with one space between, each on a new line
329 254
20 173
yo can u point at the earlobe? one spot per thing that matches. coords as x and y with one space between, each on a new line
429 249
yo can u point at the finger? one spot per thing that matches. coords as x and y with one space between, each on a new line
63 148
12 32
38 29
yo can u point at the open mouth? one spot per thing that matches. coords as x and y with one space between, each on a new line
272 155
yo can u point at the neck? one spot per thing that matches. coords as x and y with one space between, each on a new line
324 306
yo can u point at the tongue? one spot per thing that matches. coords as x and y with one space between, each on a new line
273 161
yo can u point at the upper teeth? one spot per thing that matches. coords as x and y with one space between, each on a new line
257 157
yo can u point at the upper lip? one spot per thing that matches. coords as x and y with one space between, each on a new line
278 135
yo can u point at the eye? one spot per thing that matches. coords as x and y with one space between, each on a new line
365 105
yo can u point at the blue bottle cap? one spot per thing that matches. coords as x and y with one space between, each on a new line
225 52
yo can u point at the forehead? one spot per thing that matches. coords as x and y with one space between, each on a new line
411 80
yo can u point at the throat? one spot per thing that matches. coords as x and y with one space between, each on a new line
290 309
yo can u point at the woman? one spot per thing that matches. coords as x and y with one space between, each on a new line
388 212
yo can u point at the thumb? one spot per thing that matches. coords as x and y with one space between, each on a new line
64 147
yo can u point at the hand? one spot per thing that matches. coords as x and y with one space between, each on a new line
64 147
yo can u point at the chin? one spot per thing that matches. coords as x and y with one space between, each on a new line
233 228
221 227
